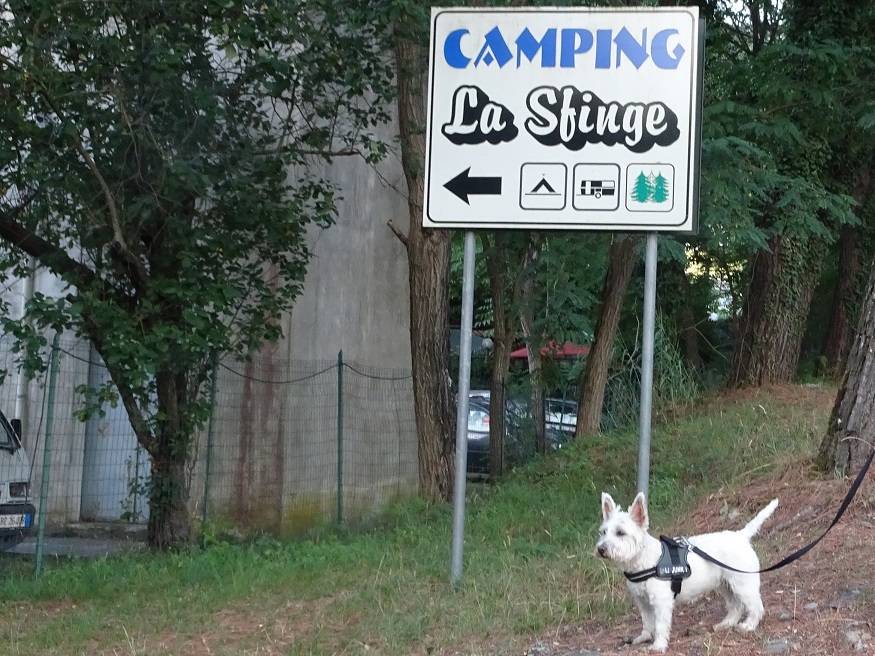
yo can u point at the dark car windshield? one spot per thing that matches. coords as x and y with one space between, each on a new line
7 436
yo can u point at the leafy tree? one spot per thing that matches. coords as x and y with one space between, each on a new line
500 254
595 376
771 203
145 160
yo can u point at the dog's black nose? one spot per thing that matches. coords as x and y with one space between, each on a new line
601 550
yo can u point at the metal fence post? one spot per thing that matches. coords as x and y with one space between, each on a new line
47 457
208 465
340 436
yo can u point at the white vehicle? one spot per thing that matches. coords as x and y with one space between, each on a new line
16 511
561 414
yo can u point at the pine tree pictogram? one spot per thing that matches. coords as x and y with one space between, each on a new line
661 191
642 191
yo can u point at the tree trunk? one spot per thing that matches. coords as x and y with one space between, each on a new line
533 346
497 263
687 328
428 254
534 342
837 340
774 312
595 378
169 522
851 432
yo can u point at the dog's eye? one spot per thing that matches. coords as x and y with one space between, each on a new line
621 533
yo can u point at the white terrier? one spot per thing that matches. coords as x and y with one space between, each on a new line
624 540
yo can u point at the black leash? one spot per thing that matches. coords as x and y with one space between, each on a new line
804 550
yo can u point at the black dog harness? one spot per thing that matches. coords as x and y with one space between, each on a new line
672 565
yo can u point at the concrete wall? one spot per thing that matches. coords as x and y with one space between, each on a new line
356 294
275 458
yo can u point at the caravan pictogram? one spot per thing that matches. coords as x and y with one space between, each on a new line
596 187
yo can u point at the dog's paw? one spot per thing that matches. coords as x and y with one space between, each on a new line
658 647
645 636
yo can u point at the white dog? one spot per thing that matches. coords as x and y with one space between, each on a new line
624 540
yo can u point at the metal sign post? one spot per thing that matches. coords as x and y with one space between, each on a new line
462 408
647 339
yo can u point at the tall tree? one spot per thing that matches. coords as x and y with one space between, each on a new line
501 252
849 26
144 159
845 296
428 253
535 338
799 207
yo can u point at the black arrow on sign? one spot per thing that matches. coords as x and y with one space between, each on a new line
464 185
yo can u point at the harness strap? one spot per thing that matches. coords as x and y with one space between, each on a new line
643 575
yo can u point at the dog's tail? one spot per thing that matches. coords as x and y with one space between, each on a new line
754 525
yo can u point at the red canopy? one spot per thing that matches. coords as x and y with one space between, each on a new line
567 350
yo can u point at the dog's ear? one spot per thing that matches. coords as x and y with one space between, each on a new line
608 505
638 511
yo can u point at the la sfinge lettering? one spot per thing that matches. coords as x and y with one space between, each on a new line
568 117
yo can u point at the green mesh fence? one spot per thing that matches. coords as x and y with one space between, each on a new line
289 445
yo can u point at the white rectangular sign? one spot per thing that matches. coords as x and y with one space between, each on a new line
563 118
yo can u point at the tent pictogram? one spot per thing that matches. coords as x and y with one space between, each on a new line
543 187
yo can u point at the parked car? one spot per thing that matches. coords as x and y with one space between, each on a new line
16 511
561 414
519 436
478 435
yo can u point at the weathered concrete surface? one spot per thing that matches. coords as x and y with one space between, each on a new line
275 447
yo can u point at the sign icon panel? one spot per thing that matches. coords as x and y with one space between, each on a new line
596 187
650 187
543 186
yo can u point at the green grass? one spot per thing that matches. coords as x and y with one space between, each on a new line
528 566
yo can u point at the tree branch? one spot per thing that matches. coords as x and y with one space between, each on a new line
57 260
401 236
135 415
346 152
120 247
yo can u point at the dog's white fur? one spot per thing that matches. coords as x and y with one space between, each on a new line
624 540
